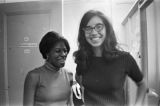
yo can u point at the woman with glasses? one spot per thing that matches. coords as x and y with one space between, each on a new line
101 67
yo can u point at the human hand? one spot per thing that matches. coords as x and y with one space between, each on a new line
77 90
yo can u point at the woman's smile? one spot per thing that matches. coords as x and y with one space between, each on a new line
95 38
61 60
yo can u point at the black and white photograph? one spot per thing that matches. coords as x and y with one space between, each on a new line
79 53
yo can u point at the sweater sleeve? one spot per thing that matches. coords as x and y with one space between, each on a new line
133 70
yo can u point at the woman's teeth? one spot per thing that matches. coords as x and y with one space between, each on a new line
95 38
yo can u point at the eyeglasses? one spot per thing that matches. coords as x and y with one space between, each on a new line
98 27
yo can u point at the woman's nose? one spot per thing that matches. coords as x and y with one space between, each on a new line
94 31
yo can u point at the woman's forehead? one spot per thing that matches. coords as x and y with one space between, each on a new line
94 20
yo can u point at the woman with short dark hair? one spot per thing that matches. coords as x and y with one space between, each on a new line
50 84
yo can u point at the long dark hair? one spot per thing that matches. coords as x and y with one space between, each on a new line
84 52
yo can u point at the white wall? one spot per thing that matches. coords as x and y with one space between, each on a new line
120 9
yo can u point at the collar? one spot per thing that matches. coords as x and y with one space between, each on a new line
51 67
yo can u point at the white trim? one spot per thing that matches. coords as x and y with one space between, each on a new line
138 4
133 9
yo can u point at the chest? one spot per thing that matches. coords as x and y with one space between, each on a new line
103 76
53 87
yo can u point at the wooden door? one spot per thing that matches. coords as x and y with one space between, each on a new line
24 24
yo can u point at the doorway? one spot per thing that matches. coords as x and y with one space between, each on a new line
23 24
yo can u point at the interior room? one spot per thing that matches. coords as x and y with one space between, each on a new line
24 22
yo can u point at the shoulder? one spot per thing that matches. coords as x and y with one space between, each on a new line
114 55
32 78
125 55
34 74
130 61
128 56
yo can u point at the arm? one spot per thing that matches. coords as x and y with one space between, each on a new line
29 88
141 92
137 76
